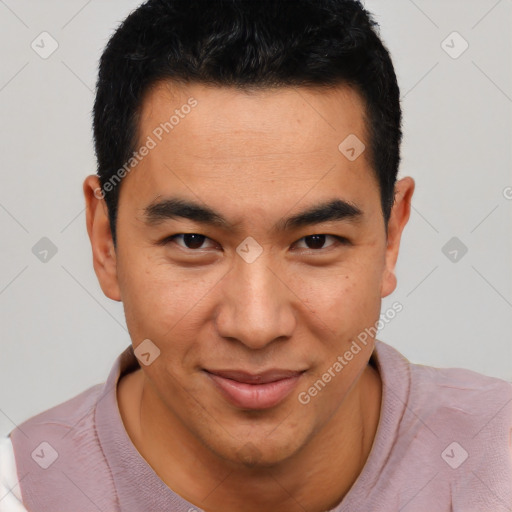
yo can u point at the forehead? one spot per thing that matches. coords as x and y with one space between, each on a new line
229 146
287 118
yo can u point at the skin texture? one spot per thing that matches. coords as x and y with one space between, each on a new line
255 158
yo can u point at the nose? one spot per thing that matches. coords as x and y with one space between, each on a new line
257 304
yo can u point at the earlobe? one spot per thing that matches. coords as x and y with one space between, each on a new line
98 228
400 213
389 283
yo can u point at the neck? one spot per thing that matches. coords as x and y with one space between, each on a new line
316 478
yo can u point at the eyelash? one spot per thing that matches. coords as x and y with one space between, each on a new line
339 241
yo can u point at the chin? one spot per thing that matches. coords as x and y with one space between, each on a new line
260 451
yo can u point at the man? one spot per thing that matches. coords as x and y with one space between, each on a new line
248 215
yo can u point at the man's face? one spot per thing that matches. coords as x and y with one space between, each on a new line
255 294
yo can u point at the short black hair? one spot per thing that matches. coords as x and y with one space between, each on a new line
245 44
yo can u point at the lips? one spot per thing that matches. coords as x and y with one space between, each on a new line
255 391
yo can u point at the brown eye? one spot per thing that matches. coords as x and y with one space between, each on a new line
190 241
317 242
193 240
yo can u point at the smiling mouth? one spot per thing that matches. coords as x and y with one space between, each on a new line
255 391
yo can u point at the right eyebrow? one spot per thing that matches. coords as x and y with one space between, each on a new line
174 207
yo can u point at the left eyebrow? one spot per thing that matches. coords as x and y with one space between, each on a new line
174 207
334 210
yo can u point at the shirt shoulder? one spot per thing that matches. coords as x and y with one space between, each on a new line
59 435
458 423
10 493
467 399
443 442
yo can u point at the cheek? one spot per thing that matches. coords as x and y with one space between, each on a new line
345 298
158 299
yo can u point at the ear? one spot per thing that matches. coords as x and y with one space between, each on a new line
400 213
98 228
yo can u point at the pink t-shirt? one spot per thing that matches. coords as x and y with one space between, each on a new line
443 444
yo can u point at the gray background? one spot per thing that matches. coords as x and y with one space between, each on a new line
60 334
